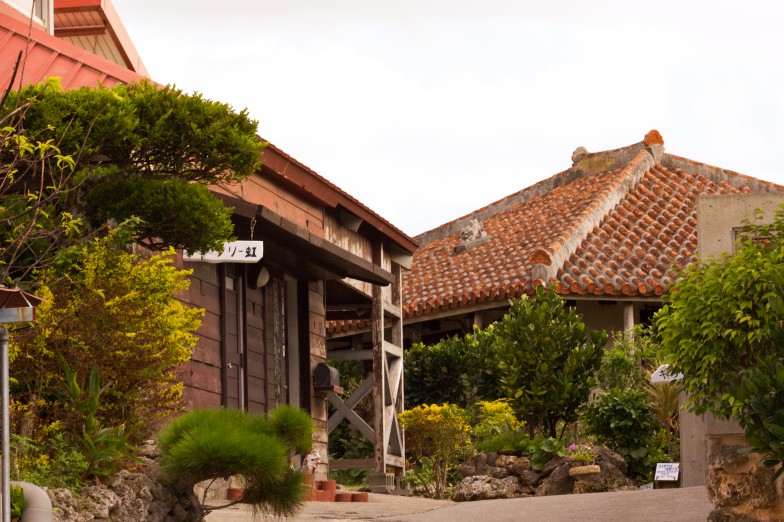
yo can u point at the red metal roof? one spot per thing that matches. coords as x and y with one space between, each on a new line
45 56
617 223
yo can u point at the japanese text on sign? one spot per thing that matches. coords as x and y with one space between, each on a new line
667 471
233 252
662 375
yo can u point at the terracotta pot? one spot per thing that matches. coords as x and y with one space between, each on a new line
343 497
234 493
359 497
328 487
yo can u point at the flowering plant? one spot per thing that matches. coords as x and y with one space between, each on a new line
581 453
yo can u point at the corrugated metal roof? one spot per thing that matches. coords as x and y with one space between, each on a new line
45 56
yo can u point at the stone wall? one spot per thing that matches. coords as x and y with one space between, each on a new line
129 497
490 475
740 486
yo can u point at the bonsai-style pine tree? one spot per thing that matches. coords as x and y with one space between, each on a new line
210 444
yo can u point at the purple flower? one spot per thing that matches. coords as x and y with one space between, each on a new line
571 447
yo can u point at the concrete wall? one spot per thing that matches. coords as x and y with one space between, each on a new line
718 217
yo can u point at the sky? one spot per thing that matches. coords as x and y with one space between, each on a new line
425 110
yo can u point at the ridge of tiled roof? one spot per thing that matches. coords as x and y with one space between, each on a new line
548 259
616 224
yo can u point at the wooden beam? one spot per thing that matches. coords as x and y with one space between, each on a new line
352 401
84 30
351 463
391 349
394 460
349 355
349 414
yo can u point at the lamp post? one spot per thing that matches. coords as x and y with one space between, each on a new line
15 306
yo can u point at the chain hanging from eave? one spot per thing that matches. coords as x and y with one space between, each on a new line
252 227
278 338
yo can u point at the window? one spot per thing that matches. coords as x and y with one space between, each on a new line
41 9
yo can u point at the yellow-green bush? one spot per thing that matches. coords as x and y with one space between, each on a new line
438 437
493 418
108 307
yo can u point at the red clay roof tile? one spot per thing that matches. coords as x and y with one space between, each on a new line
633 250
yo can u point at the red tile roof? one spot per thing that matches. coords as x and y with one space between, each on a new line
617 223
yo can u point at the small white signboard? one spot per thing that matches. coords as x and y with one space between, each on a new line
17 315
233 252
661 375
667 471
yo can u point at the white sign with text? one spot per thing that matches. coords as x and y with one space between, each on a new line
233 252
667 471
662 375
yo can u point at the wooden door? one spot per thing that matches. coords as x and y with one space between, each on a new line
233 338
255 349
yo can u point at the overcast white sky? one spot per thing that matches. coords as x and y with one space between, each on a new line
425 110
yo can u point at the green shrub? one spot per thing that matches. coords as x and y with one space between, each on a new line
57 464
541 450
210 444
104 448
18 503
438 437
546 360
458 370
492 418
104 306
504 441
627 363
623 421
762 393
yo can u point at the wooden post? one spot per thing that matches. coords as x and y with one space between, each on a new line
389 448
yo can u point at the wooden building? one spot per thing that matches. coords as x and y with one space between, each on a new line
321 253
264 332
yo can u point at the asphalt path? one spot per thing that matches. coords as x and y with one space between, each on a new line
670 505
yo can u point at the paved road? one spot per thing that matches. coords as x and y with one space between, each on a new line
670 505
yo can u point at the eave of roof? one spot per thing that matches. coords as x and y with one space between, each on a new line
98 21
310 183
615 225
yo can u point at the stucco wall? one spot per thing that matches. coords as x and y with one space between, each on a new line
719 216
717 219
